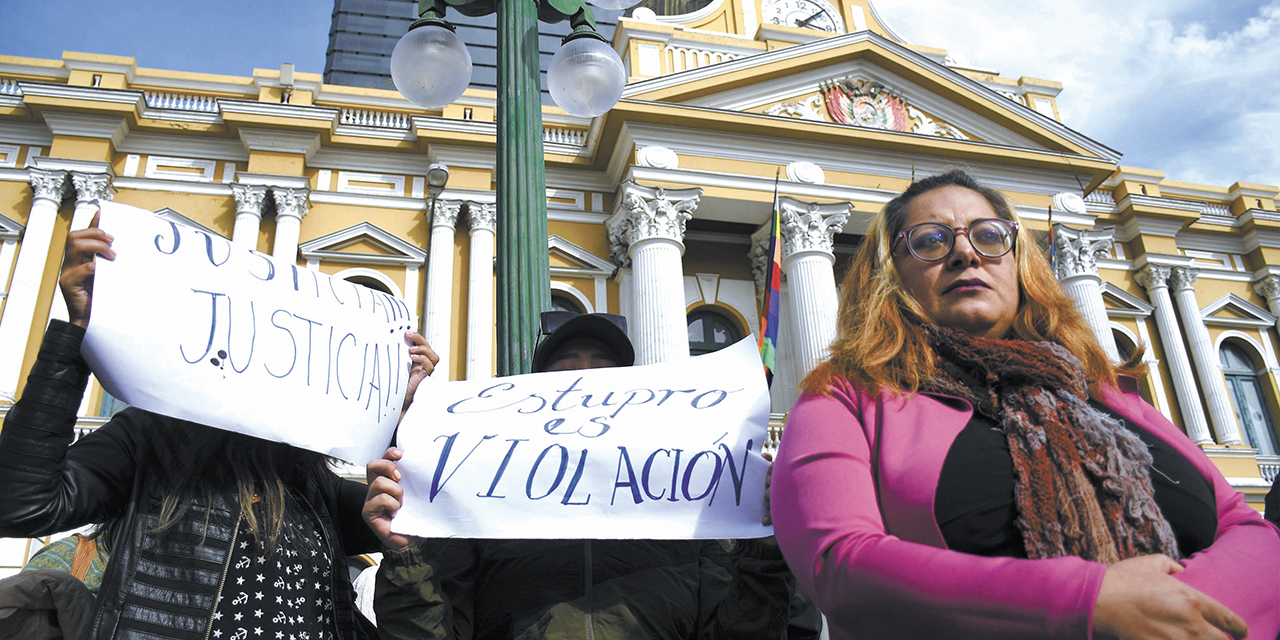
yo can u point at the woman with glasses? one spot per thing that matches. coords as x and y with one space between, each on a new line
969 464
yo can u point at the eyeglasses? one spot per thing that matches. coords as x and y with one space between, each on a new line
933 241
552 320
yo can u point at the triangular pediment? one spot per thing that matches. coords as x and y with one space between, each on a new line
568 258
364 243
173 216
1233 311
867 82
1122 304
9 229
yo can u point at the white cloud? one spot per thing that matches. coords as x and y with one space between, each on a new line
1187 87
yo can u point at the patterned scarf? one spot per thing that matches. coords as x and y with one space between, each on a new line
1082 480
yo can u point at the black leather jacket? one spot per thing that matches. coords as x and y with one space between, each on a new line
154 587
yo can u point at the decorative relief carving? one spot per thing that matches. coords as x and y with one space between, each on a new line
805 109
649 213
807 172
92 186
482 215
1153 276
444 213
47 185
810 226
658 158
250 198
1268 288
1077 251
291 203
865 103
1183 278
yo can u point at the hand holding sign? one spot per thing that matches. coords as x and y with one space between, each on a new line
78 266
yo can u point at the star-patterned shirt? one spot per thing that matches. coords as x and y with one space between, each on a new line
284 595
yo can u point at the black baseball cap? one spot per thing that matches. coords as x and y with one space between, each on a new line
559 327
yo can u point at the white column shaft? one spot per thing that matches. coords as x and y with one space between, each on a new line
812 283
437 312
245 233
480 320
24 290
661 333
288 230
1086 291
1208 369
1184 386
785 388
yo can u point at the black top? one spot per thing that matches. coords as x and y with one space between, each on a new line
975 509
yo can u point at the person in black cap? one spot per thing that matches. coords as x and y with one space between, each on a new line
569 589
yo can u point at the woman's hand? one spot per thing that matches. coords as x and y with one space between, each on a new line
424 360
384 499
767 520
1140 599
76 279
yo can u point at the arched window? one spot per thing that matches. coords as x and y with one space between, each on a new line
561 302
1246 398
369 282
710 331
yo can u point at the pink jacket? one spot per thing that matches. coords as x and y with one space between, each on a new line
853 492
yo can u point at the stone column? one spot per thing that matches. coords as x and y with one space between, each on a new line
808 232
1077 262
647 234
437 308
20 306
1155 279
250 200
1269 288
291 207
483 218
1205 357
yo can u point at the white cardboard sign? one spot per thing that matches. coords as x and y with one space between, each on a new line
187 325
663 451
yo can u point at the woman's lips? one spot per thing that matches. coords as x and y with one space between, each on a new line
966 285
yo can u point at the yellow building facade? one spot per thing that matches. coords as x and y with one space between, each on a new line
657 210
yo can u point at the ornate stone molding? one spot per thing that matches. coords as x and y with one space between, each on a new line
92 186
1268 287
809 226
1183 278
807 172
291 203
1078 250
646 213
482 215
249 198
47 185
657 157
1153 276
444 213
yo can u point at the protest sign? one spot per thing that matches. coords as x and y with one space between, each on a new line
663 451
186 325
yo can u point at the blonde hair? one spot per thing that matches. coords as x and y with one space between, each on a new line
881 342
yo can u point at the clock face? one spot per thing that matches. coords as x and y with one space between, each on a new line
807 14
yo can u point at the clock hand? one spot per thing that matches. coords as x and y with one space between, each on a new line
806 21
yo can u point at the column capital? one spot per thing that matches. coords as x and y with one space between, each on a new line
444 213
810 226
1153 276
647 213
1078 250
92 186
1183 278
250 198
291 203
482 215
1268 287
47 185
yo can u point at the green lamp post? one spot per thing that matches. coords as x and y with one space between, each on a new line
432 68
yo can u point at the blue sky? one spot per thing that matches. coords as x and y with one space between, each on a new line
1188 87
